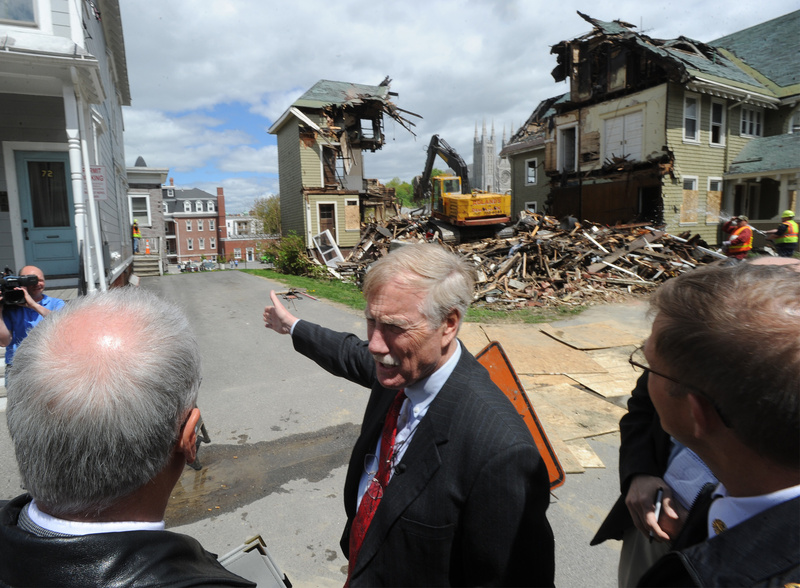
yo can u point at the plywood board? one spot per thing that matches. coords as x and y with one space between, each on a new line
593 335
584 453
533 352
620 378
569 461
570 413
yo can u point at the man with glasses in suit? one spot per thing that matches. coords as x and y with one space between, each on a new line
724 376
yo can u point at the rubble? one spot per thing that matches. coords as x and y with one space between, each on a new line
544 264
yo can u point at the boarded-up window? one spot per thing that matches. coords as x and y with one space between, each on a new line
352 221
689 203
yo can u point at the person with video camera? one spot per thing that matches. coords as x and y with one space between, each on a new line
20 313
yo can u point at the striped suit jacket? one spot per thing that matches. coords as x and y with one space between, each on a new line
468 507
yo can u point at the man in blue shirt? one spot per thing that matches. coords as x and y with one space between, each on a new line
18 320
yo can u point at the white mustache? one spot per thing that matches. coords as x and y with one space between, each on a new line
387 360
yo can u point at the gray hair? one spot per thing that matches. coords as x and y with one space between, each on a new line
447 278
734 333
91 422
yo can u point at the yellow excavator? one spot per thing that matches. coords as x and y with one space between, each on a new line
457 211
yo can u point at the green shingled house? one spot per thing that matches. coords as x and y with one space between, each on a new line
321 140
674 132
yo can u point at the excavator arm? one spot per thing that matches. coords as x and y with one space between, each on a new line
440 147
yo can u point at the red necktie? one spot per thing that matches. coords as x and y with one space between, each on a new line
372 497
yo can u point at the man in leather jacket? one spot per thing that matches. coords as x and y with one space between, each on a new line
103 424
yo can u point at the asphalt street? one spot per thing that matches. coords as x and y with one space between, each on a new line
281 430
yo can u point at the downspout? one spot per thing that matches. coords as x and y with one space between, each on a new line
93 223
76 179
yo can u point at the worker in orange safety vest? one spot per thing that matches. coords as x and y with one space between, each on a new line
741 240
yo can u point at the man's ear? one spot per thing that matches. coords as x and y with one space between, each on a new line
704 416
187 442
451 324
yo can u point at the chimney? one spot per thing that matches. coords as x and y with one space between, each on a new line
222 226
172 181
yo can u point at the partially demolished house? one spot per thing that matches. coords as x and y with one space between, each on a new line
674 132
321 141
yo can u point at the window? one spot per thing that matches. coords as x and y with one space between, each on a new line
717 130
237 253
713 200
140 209
530 171
201 243
198 206
210 206
199 225
189 244
170 193
530 206
751 122
213 243
691 118
187 206
210 224
18 11
188 225
689 202
568 149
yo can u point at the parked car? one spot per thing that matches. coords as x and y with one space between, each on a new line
208 265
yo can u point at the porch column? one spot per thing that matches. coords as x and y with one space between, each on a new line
76 167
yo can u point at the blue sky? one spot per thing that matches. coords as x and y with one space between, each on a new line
209 78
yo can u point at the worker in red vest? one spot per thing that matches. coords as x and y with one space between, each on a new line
786 235
741 240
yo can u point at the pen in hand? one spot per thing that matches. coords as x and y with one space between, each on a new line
657 502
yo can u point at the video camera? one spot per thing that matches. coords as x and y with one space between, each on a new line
11 296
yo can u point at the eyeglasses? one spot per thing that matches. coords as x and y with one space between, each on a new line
638 360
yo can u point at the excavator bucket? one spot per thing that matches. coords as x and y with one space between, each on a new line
496 362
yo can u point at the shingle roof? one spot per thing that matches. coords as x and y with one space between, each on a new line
327 92
772 48
762 155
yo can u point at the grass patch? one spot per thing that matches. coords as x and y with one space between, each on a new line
333 290
350 295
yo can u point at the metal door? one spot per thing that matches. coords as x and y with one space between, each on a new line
45 199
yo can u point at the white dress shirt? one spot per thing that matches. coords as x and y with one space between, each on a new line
418 398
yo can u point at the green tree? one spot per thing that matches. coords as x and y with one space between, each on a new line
268 210
403 191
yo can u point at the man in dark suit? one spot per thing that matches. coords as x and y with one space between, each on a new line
724 376
460 496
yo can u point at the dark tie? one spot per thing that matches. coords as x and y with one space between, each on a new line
372 497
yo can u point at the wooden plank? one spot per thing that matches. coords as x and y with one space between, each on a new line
533 352
568 412
620 379
584 453
592 335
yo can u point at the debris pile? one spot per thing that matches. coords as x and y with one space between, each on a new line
544 264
